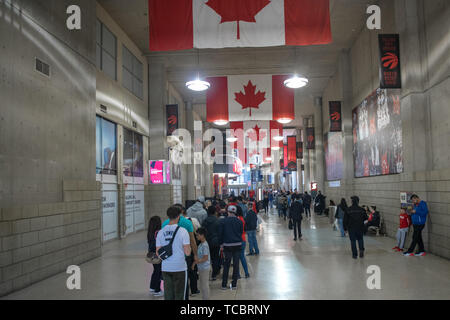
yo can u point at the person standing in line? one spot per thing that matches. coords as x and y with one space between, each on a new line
230 239
340 213
240 202
307 204
354 221
211 224
244 244
154 226
197 210
251 224
203 263
174 268
296 212
402 231
418 218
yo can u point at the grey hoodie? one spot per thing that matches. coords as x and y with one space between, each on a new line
197 211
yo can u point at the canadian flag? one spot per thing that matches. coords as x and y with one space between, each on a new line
187 24
249 97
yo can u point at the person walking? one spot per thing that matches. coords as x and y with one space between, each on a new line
203 263
154 226
266 204
230 239
418 218
244 244
307 204
340 213
354 222
295 213
174 268
251 224
211 224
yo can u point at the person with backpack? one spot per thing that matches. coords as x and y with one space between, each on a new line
354 221
154 226
418 218
340 213
211 224
172 244
295 213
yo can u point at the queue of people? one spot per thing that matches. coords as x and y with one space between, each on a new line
190 248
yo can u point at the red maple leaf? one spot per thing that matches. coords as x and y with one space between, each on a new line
255 134
390 60
237 10
250 99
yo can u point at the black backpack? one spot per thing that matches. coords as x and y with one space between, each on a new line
166 251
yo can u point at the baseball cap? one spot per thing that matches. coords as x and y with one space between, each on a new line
232 209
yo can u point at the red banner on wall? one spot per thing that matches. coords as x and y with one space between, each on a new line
292 153
172 118
310 138
335 116
390 75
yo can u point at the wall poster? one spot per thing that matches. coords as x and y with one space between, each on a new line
377 135
105 147
334 155
133 154
109 212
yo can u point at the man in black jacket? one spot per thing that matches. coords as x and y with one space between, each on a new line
295 213
211 224
230 237
307 204
354 222
251 223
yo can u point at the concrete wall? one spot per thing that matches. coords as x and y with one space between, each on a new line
425 40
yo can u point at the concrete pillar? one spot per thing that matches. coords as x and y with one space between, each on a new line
300 185
190 168
306 159
319 168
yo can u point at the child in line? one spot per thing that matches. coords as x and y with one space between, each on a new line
405 222
203 263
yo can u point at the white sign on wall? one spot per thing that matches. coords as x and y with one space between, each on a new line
109 212
134 208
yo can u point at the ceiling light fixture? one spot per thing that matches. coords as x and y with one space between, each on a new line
269 159
296 82
284 120
278 138
275 148
221 122
198 84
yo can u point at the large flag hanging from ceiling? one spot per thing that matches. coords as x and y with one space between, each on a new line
249 97
187 24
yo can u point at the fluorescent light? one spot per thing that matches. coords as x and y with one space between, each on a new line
284 120
232 139
221 122
269 159
278 138
296 82
198 85
275 148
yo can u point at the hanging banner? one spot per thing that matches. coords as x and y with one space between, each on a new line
172 118
390 75
292 153
300 150
285 157
310 138
335 116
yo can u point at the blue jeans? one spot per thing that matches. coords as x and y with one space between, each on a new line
356 236
242 258
341 226
252 242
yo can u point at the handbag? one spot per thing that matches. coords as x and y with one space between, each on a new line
166 251
291 225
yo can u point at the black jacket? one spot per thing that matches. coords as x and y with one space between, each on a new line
307 199
231 229
251 221
354 219
296 211
212 226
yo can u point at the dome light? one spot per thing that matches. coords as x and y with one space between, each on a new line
284 120
278 138
296 82
221 122
198 85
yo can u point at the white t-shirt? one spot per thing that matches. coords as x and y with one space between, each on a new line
176 262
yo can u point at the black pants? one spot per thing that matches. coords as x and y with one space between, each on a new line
308 210
155 282
215 260
417 238
356 235
297 226
231 253
266 207
192 277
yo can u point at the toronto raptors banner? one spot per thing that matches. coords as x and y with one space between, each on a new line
187 24
335 116
390 76
300 150
285 157
310 138
292 153
172 118
249 97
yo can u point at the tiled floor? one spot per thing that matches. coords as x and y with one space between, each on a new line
318 267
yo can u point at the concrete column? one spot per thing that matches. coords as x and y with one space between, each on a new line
319 168
300 185
190 168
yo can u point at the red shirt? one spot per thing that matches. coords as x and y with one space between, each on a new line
243 232
405 220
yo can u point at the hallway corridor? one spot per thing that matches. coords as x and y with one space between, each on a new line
318 267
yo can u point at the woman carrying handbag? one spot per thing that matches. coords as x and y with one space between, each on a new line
155 283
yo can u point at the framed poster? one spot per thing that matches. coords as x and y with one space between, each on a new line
334 155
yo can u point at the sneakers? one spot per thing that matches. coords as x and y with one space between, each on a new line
247 276
420 254
354 257
152 290
408 254
399 250
295 239
213 279
250 254
361 254
395 248
158 294
224 288
234 288
193 294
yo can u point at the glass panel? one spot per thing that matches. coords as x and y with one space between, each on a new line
109 147
127 80
127 59
138 157
127 152
109 42
99 32
137 69
98 146
99 57
137 88
109 65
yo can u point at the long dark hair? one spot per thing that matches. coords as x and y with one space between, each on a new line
344 204
153 225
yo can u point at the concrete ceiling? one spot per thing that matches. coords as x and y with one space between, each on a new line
317 63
